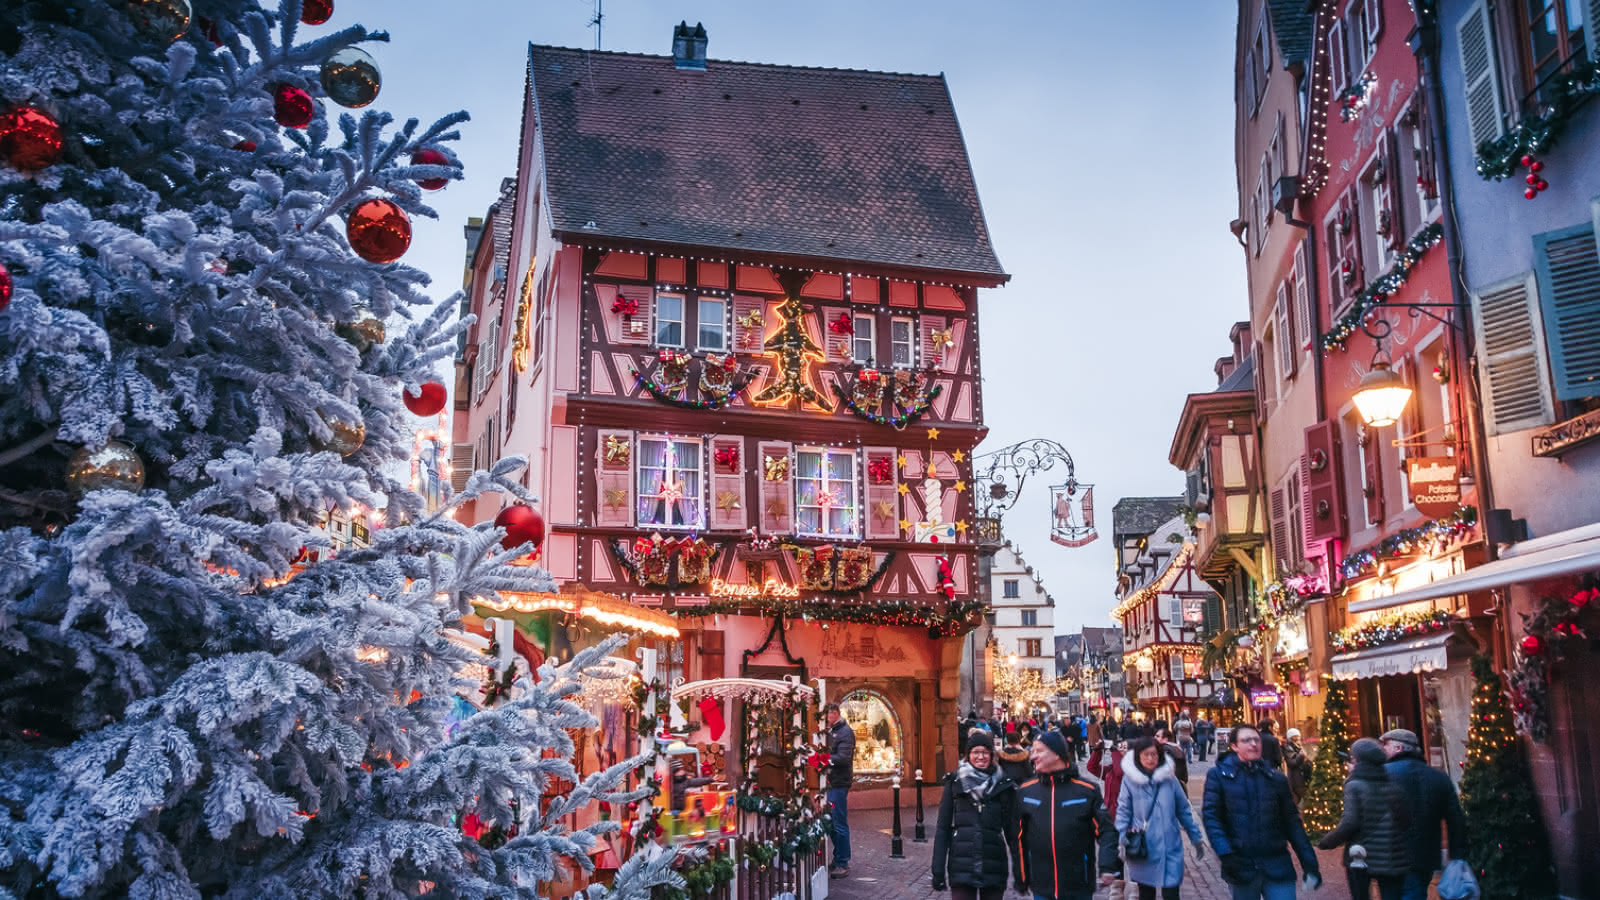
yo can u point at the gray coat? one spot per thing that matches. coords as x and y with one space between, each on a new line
1159 805
1375 818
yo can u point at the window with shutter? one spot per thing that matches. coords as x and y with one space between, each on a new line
667 317
1281 537
825 492
1275 152
1569 291
1372 473
1285 333
613 466
1511 354
1309 546
864 341
462 463
1480 74
902 342
1372 14
1263 205
711 324
835 336
632 328
749 315
1352 271
1338 66
1411 420
1293 547
1324 491
882 508
1302 298
727 483
669 494
1175 664
936 352
777 512
1250 82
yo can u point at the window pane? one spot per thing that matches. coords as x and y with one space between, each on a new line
808 465
713 325
669 320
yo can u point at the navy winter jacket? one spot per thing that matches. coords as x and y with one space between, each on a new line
1431 798
1251 821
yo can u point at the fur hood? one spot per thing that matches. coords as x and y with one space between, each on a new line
1013 754
1163 772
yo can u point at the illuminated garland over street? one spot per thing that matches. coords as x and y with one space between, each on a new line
909 613
1383 288
1498 159
1407 542
1390 629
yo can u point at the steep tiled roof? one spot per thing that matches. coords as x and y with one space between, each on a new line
1143 515
1292 26
823 164
1242 378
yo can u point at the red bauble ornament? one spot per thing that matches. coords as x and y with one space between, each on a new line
430 157
5 286
245 146
1532 645
29 139
379 230
1536 166
1532 178
523 525
1542 184
292 106
1527 159
1531 193
429 403
315 12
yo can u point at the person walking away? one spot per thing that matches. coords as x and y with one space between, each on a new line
1180 765
1014 759
1064 831
1271 750
1430 797
1297 765
1203 730
977 828
1154 804
1372 829
1252 822
1095 733
1083 737
841 773
1184 728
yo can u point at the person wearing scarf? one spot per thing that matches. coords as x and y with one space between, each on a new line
977 827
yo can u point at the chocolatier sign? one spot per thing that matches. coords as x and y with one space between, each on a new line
1435 484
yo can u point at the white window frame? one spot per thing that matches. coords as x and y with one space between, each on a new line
1007 585
1175 612
910 343
1357 48
673 467
1374 245
656 319
824 482
865 333
1034 614
1175 667
721 324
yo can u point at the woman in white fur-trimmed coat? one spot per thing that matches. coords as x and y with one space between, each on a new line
1154 802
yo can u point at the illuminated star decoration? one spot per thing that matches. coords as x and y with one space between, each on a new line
959 456
671 491
905 524
901 487
901 460
933 434
960 486
791 347
961 527
727 501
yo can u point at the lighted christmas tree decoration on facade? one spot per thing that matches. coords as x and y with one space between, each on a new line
793 350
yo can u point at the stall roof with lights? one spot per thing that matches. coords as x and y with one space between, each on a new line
1565 553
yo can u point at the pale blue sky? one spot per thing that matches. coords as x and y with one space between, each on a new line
1101 134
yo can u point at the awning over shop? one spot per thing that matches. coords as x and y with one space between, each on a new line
1567 553
1424 654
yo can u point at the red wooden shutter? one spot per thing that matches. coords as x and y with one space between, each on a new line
749 324
1325 501
1411 418
1427 165
1294 515
882 509
934 353
837 344
728 465
634 328
613 466
1308 543
777 497
1351 277
1372 463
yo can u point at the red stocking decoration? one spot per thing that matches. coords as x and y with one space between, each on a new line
711 712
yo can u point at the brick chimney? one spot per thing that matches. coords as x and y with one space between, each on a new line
1224 367
689 47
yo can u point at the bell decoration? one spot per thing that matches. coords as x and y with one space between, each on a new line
523 525
5 287
428 156
115 466
347 436
292 107
315 12
364 331
351 78
379 230
30 139
427 403
160 20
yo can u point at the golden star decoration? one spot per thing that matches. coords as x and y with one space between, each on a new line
883 509
959 456
961 527
900 460
616 498
777 508
933 434
960 486
901 487
905 524
727 501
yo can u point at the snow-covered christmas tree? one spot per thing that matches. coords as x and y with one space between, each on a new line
197 268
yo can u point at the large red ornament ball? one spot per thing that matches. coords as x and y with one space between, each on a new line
29 139
523 525
5 286
430 157
429 403
379 230
292 107
315 12
1532 645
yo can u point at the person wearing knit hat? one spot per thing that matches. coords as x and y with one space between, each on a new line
976 831
1297 764
1372 826
1430 799
1064 828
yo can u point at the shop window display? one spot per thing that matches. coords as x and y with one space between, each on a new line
878 737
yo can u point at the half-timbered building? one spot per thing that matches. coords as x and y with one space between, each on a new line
736 335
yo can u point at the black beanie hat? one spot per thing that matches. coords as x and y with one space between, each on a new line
980 737
1057 743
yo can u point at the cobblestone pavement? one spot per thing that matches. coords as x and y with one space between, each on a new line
874 876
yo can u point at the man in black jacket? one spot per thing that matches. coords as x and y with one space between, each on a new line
841 772
1062 822
1430 797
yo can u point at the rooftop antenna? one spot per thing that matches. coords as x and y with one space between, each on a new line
597 21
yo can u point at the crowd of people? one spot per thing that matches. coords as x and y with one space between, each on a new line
1019 809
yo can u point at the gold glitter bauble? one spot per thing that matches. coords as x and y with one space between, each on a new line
367 329
347 436
162 20
116 466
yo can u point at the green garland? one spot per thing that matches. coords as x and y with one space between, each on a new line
1383 288
911 613
906 416
1406 542
1537 133
804 830
1390 629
